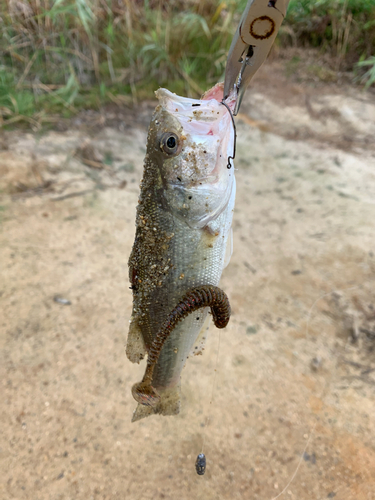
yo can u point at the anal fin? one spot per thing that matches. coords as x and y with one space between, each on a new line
200 343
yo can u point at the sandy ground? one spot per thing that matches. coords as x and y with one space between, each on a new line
295 369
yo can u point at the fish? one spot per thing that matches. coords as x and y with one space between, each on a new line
183 232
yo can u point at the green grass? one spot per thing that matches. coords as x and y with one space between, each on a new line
369 76
59 56
344 28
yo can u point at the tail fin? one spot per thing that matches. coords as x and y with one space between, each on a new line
169 404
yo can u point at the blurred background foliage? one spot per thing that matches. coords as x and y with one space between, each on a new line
58 56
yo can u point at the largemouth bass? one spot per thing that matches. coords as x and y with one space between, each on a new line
183 228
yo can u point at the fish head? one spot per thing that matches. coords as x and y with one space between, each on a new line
191 141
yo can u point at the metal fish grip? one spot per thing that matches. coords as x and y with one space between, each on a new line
251 44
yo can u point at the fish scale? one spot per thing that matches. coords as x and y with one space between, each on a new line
201 265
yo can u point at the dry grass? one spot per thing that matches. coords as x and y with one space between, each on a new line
343 28
57 56
64 54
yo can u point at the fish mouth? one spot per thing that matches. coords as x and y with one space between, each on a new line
184 104
217 93
195 115
206 134
199 179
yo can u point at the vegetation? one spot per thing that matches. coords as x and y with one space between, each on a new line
57 56
344 28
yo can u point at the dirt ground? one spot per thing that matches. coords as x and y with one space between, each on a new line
293 409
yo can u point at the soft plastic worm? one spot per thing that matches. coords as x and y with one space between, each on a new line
198 297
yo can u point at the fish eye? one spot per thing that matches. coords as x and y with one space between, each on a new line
169 143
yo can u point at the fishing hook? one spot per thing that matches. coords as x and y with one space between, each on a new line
235 135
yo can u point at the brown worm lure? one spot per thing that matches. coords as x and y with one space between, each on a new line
196 298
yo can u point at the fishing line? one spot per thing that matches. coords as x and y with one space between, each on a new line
298 465
322 394
212 392
200 463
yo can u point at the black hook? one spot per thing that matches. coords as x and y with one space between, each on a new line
235 135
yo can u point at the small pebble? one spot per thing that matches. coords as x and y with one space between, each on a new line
61 300
309 458
251 329
316 363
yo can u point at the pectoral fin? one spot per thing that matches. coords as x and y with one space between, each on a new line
135 347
